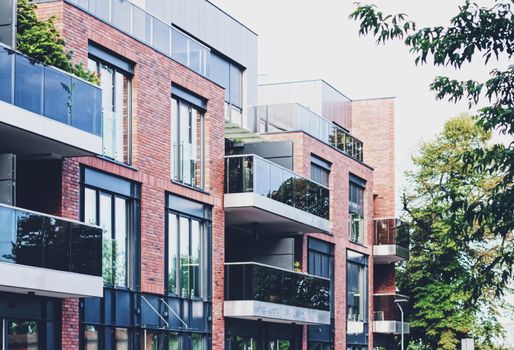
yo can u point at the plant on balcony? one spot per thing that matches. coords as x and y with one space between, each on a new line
40 40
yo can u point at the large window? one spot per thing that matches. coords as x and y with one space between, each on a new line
320 170
356 287
187 252
109 202
116 107
187 143
230 77
20 335
356 211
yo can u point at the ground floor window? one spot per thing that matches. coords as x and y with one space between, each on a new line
20 335
243 343
313 345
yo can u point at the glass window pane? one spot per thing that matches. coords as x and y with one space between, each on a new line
29 80
219 72
84 106
121 14
184 257
172 252
101 9
22 335
7 234
161 36
121 110
198 341
173 341
180 50
91 338
120 242
196 263
185 144
196 56
236 84
121 339
106 224
175 143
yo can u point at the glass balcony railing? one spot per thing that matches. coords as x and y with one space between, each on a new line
251 173
141 25
253 281
50 92
295 117
40 240
385 308
391 231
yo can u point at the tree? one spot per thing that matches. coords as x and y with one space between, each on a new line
42 42
474 31
441 263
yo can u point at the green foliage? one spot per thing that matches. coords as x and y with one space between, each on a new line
41 41
486 32
441 262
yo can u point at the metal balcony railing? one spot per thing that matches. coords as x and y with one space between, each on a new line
254 281
40 240
251 173
295 117
50 92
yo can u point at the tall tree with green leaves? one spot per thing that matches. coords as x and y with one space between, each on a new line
474 33
441 262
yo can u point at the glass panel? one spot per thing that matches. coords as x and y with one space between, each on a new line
180 47
7 234
6 72
152 341
90 206
219 72
57 243
86 249
175 143
196 247
57 95
85 106
106 224
121 14
91 338
196 57
172 252
262 172
197 341
121 116
28 84
161 36
121 338
184 257
120 243
101 9
236 83
22 335
141 25
243 343
173 341
29 241
185 144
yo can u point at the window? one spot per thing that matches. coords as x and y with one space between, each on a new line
109 202
356 211
356 287
188 242
230 77
319 346
121 339
158 340
117 109
187 144
279 344
22 335
242 343
91 338
320 170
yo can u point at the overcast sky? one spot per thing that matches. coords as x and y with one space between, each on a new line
311 39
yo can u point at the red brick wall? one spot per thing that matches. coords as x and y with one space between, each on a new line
342 166
373 122
151 152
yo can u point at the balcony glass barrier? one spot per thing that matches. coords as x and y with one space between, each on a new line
251 173
295 117
136 22
385 309
253 281
391 231
40 240
50 92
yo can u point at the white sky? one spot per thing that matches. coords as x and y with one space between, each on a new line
308 39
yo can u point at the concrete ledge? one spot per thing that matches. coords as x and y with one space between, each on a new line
52 283
389 253
278 313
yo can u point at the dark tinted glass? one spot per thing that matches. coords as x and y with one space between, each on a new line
236 83
29 80
57 244
86 249
7 234
5 75
57 95
219 72
85 107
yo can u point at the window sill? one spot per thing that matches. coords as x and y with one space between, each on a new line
190 187
359 244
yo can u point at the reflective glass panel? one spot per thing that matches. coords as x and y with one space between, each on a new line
23 335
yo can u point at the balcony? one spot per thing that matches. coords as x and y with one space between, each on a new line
295 117
386 317
45 111
260 292
48 255
391 241
262 193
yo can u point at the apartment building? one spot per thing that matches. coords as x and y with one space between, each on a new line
179 205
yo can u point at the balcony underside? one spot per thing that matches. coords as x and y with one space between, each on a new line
271 312
27 133
246 210
24 279
389 253
390 327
